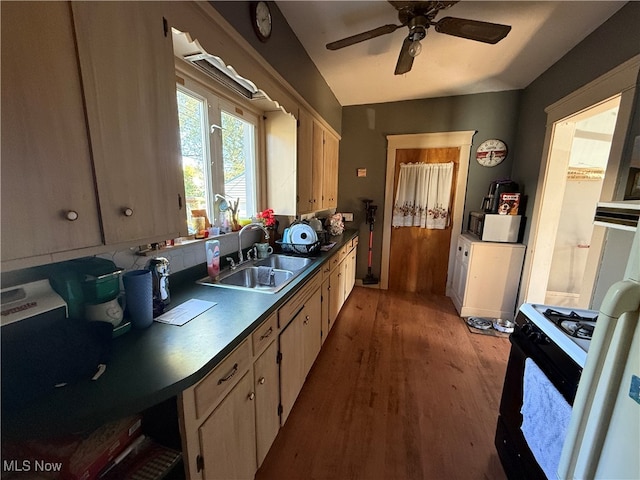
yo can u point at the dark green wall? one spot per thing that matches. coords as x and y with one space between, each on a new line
614 42
364 145
286 54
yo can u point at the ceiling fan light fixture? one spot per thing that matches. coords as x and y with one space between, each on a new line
415 48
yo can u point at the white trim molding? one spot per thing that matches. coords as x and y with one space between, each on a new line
462 139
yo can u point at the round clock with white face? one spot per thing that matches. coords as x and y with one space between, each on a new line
491 153
261 20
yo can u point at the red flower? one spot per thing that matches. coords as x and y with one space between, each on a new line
267 217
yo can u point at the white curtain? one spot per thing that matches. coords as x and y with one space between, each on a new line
423 195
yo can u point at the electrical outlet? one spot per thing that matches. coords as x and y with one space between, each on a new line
348 217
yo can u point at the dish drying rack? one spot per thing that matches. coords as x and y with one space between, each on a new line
300 249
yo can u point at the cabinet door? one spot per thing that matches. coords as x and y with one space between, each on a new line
326 324
336 294
46 162
127 67
318 166
312 329
305 162
350 272
330 173
267 390
291 365
227 437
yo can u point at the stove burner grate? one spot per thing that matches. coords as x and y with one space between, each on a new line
572 324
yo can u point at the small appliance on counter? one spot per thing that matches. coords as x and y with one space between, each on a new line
490 227
491 202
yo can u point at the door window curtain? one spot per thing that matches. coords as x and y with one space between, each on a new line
423 195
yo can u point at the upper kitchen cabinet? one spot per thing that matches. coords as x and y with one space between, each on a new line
126 61
325 165
317 165
48 195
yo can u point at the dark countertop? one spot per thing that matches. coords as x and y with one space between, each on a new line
152 365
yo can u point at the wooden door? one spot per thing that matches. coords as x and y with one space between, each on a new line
419 257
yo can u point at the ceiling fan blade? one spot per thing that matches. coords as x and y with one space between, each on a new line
472 29
361 37
405 61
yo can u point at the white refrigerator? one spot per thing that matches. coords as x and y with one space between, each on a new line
603 439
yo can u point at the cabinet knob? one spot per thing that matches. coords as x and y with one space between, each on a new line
251 396
459 249
306 320
466 254
71 215
127 212
262 380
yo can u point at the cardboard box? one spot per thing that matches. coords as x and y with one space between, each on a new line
509 204
73 457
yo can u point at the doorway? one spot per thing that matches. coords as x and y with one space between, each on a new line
557 242
418 260
461 140
591 133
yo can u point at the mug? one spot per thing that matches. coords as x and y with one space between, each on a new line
264 250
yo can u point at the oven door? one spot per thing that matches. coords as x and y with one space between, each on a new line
515 455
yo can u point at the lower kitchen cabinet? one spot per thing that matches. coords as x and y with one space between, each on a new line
267 388
486 277
227 437
300 343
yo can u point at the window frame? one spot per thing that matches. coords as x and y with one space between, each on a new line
217 99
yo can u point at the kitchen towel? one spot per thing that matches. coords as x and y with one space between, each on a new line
545 418
264 275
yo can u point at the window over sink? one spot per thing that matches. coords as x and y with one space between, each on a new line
218 144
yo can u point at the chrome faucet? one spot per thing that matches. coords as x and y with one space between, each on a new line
252 226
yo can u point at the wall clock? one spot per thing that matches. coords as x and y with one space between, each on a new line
491 152
261 20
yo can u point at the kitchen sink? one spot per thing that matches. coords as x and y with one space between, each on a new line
285 262
245 277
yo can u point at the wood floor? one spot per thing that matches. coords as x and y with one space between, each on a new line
400 390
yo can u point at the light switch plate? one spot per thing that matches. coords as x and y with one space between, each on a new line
362 172
348 217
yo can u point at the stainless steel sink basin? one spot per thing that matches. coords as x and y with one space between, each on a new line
245 277
285 262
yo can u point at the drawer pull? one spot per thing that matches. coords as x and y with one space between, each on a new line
228 376
71 215
306 320
262 380
251 396
267 334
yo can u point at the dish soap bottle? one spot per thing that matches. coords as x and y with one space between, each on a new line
213 257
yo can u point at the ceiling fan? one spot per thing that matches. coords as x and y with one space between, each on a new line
418 17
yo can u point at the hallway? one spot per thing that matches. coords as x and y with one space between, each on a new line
400 390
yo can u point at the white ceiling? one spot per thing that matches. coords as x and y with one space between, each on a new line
542 32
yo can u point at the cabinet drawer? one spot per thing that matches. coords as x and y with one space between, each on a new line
354 242
293 306
212 388
264 334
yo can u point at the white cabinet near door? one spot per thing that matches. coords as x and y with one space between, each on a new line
486 277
